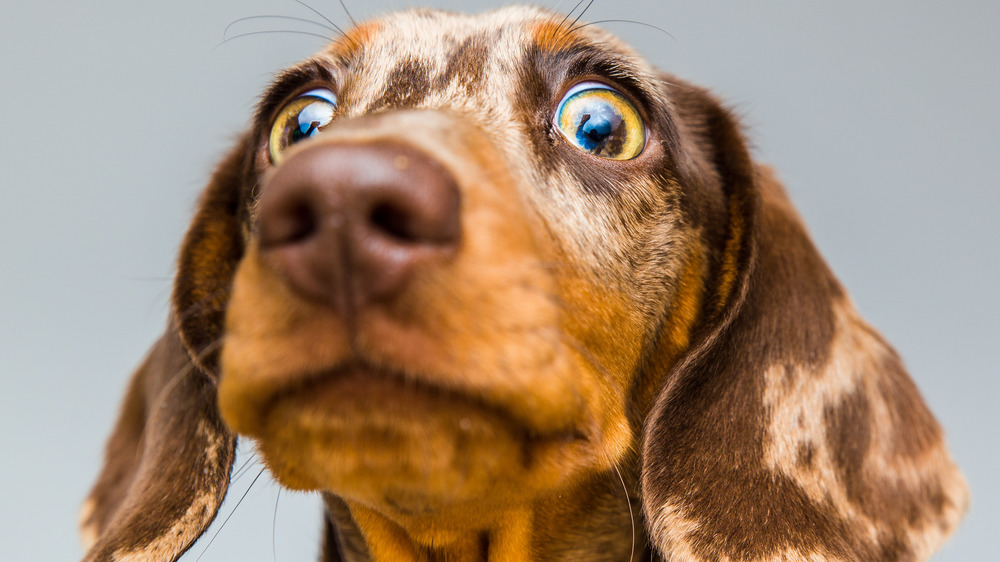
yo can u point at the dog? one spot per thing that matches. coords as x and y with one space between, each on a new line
499 290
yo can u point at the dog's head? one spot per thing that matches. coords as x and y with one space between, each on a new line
461 270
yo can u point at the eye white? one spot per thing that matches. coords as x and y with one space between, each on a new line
586 86
576 89
323 94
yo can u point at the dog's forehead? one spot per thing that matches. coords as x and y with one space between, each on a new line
432 36
429 33
429 58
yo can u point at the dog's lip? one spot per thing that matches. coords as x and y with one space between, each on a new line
408 387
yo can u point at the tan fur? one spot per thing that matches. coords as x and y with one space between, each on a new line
88 528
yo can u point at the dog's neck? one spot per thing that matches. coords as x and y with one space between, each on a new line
592 521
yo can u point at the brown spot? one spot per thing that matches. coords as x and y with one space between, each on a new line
467 65
848 434
531 106
405 87
806 456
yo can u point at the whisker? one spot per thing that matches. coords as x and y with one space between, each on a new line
557 7
179 376
270 31
320 14
210 348
243 468
348 12
196 307
277 17
144 278
274 526
570 13
596 363
219 530
571 26
628 499
642 23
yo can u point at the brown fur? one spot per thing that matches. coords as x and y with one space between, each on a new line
643 357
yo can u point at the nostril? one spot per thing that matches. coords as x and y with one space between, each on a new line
303 222
425 216
294 222
396 222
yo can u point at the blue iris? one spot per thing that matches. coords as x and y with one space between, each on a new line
598 121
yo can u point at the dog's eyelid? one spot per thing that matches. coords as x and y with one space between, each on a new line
290 83
324 89
613 69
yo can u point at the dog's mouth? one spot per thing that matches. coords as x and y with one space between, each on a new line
364 388
370 396
367 433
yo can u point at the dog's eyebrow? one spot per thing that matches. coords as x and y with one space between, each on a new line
288 82
594 61
580 59
571 54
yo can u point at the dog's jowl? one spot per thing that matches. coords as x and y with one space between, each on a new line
498 290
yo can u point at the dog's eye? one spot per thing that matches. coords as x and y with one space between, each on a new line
599 120
303 117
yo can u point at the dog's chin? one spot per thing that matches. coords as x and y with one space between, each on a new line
389 442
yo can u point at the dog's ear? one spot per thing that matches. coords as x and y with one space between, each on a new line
209 256
168 460
789 430
166 465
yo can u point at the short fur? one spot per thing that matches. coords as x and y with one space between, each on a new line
645 358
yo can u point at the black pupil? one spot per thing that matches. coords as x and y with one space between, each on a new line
595 133
304 130
601 129
314 116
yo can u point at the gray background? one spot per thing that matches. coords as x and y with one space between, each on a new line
881 117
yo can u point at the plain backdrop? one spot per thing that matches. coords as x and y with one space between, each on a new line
881 117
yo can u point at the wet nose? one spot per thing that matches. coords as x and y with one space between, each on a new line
350 225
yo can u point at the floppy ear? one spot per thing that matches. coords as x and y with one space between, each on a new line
209 256
790 429
167 463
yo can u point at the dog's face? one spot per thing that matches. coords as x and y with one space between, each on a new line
475 278
499 358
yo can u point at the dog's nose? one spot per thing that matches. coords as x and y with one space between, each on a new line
351 224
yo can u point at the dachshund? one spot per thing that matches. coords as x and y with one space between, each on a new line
499 290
